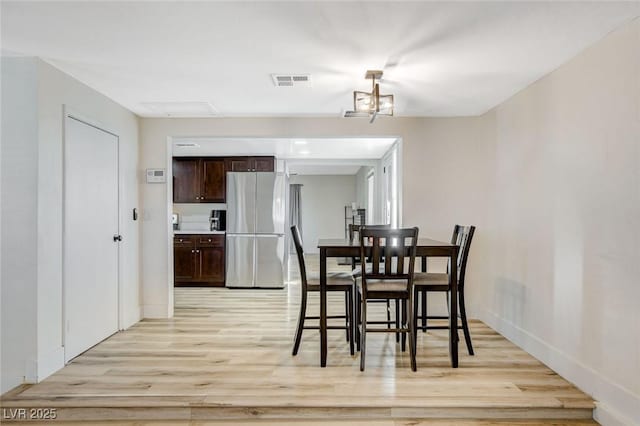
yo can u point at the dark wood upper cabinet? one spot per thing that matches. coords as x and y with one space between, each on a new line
204 179
264 164
238 164
250 164
199 180
214 182
186 180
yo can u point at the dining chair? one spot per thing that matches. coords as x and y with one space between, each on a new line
387 278
354 235
424 282
336 281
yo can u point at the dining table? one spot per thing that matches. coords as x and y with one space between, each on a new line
425 247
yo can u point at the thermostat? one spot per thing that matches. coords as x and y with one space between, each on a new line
156 176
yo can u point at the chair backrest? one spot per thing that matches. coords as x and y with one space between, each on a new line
297 242
354 235
354 230
391 250
462 236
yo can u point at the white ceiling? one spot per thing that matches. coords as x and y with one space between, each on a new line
440 58
285 148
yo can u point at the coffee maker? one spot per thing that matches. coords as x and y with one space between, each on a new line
218 220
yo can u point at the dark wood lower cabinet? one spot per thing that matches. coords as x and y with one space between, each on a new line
199 260
212 264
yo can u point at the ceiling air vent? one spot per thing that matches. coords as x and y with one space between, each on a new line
291 80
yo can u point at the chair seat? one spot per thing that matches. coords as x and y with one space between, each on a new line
357 271
335 281
437 281
383 286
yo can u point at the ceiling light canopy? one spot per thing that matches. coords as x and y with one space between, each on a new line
371 104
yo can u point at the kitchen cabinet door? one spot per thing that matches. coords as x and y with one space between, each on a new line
263 164
184 264
186 180
211 264
213 181
239 164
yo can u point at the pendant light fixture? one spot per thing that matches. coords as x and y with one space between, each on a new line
371 104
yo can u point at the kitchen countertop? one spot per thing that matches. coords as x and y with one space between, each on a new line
197 232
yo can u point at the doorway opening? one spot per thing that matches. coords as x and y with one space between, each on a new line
339 181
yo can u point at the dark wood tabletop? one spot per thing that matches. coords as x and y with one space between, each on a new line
426 247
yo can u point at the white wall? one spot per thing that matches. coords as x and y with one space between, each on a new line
362 191
564 253
19 186
322 200
54 90
361 186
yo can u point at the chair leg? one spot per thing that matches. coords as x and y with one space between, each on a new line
412 333
465 326
363 334
358 319
449 315
397 320
448 304
414 303
349 314
388 313
303 314
403 343
424 311
346 314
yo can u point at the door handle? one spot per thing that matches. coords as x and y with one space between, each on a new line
117 238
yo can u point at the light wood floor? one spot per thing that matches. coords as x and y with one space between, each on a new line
226 358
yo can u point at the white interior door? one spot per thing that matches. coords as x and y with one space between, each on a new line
90 227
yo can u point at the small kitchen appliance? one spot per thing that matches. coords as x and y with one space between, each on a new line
218 220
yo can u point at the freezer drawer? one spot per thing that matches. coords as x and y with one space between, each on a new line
240 260
269 261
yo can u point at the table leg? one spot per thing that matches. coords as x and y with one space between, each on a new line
323 307
453 310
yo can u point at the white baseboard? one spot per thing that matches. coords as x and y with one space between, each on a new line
616 405
606 416
30 370
157 311
50 362
130 320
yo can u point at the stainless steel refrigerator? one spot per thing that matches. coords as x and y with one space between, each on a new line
256 215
